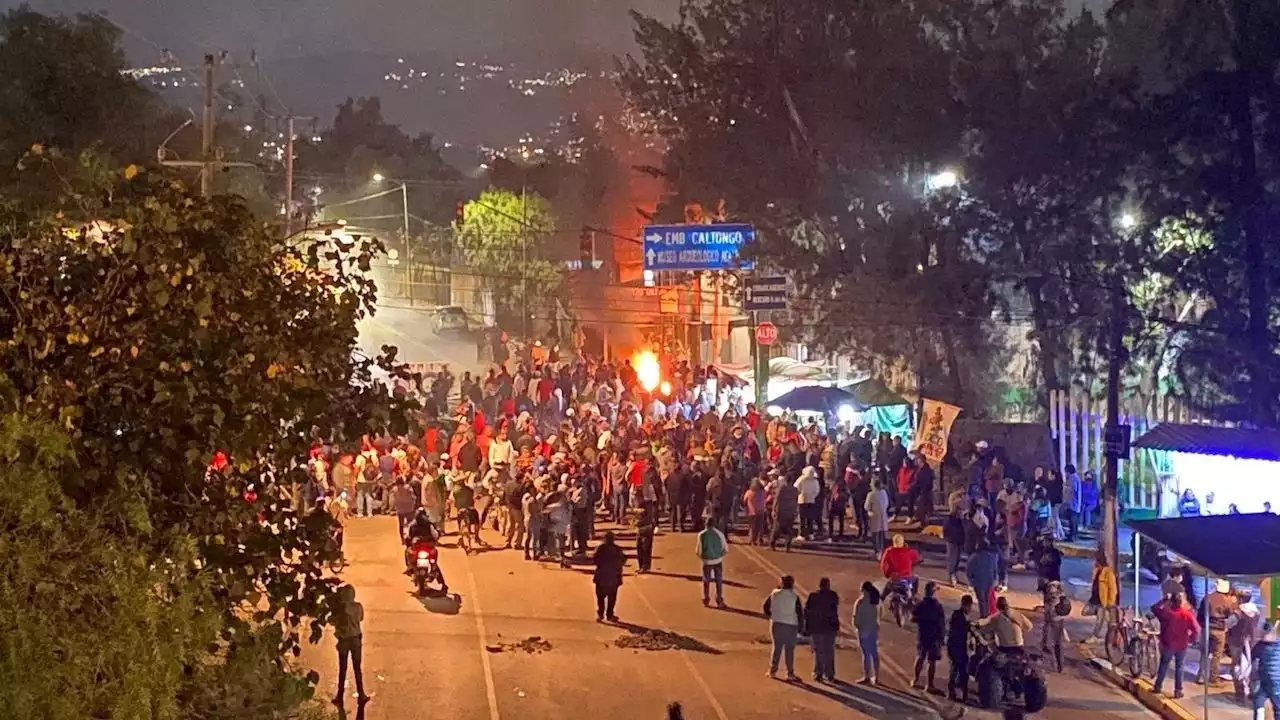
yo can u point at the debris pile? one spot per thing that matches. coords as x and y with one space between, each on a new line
532 645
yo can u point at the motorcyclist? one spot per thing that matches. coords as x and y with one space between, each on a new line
898 565
421 530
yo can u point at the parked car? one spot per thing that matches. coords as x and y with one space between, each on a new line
449 319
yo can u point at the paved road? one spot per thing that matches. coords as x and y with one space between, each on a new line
435 658
410 331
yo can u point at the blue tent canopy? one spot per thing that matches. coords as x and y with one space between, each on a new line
814 398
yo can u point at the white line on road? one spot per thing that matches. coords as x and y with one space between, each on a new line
897 669
489 688
693 670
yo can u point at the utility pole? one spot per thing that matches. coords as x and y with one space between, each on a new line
206 132
288 173
288 180
1116 439
524 260
210 156
408 244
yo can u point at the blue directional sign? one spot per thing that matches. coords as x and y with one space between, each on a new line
697 247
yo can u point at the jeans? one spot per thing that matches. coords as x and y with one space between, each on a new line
784 645
953 559
1086 519
958 680
366 505
350 649
715 573
870 646
860 517
1260 697
877 541
606 600
619 505
981 596
515 527
1178 658
405 520
644 551
824 655
678 515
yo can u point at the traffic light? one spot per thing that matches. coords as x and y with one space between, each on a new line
587 248
460 214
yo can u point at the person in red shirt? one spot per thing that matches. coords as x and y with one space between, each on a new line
546 386
1178 629
752 417
899 563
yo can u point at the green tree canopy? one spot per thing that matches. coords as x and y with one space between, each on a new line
511 243
156 328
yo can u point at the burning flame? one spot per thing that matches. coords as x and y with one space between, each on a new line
647 369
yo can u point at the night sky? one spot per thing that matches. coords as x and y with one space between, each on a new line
281 29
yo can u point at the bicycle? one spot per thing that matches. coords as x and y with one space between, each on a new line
469 530
1133 642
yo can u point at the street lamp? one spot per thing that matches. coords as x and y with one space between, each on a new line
943 180
1128 221
378 177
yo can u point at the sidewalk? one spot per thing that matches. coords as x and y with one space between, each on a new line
1222 704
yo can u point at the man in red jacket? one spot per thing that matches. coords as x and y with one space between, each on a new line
1178 629
898 563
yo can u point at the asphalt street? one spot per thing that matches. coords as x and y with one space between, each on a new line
410 331
439 657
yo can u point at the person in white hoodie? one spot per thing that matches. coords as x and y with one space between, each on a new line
786 622
1244 630
808 487
501 452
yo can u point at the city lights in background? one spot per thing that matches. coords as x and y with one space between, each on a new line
647 368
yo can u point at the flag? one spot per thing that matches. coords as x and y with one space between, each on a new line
934 429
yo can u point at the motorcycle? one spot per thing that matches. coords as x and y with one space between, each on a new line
424 559
1001 674
902 602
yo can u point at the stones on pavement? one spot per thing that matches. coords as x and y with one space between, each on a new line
532 645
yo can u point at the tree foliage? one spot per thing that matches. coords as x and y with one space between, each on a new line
156 328
509 240
825 123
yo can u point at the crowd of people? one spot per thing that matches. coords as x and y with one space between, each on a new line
539 451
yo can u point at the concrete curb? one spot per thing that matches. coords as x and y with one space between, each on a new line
932 534
1140 688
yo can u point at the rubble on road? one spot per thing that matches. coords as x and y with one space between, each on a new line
532 645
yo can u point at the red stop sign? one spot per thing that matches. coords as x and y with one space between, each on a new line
766 333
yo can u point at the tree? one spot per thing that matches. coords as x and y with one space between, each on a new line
509 241
62 83
1210 126
826 125
156 328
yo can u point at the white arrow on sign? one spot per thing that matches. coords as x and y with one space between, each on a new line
653 238
651 255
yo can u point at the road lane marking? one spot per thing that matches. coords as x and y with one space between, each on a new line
489 688
893 666
693 670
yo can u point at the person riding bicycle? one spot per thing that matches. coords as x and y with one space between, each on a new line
898 564
464 501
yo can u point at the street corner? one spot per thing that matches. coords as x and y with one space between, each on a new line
1140 688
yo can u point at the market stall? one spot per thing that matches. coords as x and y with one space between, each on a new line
1221 467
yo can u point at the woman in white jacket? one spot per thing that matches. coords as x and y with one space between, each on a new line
877 507
808 488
